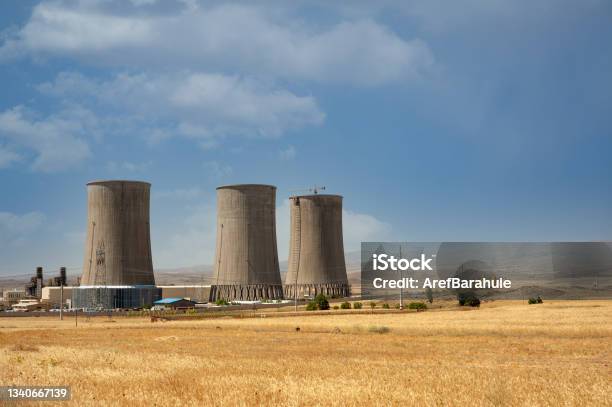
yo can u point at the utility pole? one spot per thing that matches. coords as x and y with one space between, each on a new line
76 317
401 285
61 302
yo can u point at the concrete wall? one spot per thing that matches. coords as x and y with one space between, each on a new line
118 243
316 247
52 295
246 259
198 293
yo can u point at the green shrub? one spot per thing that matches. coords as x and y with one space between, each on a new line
322 302
372 304
385 306
312 306
345 305
417 305
468 299
221 301
336 307
473 302
357 305
537 300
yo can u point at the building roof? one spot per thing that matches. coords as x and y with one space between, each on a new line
171 300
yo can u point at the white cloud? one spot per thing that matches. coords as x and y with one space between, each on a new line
361 227
7 157
194 105
56 140
240 38
56 27
199 106
287 154
15 229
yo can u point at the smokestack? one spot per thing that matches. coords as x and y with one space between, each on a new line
39 282
118 244
316 248
62 275
246 259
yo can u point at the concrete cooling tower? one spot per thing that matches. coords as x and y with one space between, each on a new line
246 258
118 244
316 253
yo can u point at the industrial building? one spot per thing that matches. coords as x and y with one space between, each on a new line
114 297
35 286
316 248
246 259
117 266
173 303
28 304
53 296
10 297
59 280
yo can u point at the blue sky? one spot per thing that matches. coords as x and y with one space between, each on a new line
472 121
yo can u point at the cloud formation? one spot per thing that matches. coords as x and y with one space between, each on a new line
7 157
56 140
199 70
192 104
241 38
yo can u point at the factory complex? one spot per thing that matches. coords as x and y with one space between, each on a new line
118 263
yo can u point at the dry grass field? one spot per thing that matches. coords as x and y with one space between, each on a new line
506 353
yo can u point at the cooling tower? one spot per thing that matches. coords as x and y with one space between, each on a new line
118 244
316 253
246 258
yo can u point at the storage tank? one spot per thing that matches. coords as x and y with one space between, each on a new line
246 258
316 249
118 243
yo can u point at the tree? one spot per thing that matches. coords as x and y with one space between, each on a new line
322 302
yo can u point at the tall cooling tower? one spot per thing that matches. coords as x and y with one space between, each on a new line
118 245
316 252
246 259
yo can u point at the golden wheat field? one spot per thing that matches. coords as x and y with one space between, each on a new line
505 353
